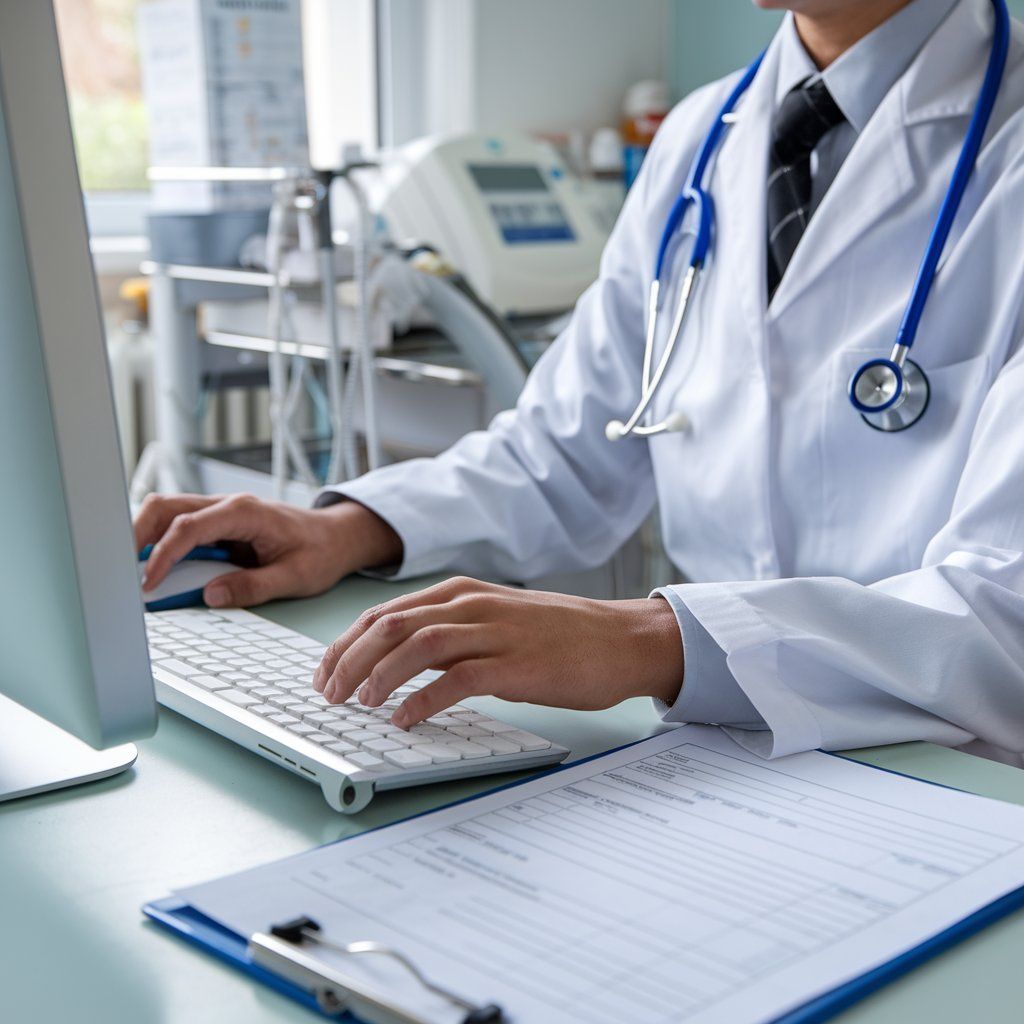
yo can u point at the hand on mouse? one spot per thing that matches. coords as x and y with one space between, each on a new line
520 645
298 552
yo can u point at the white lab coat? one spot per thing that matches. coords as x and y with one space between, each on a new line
866 587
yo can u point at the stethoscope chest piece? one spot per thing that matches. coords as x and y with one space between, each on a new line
889 396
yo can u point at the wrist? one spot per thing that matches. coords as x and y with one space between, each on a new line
358 538
658 649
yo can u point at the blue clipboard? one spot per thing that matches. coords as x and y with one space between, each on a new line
187 923
230 947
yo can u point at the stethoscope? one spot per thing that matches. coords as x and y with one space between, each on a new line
890 393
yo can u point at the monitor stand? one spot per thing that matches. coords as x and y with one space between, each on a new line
36 756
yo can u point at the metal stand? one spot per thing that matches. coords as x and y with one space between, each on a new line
36 756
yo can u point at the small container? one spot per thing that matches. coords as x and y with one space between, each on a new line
645 107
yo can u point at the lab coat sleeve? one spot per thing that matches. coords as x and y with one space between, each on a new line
711 694
935 654
542 490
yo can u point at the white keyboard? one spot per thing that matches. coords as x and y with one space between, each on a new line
249 680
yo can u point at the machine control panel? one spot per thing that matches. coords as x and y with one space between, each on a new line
521 203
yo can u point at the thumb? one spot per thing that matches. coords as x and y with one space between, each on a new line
247 587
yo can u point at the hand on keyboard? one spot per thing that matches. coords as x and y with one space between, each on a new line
521 645
298 552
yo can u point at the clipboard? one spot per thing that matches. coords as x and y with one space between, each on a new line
195 928
295 972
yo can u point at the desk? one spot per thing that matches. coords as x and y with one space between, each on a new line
76 866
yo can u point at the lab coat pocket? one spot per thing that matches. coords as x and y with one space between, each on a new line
894 491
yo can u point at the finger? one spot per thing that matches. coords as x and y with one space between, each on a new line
358 660
433 646
157 512
440 593
466 679
249 587
226 520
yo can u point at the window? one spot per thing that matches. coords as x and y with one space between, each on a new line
101 68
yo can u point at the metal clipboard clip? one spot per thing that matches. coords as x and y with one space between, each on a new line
284 952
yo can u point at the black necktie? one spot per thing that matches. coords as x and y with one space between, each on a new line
803 118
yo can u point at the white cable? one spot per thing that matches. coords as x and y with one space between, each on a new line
296 377
277 370
364 343
335 367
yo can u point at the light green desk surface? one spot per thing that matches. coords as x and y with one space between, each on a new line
76 866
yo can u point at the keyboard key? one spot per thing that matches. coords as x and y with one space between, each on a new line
265 692
238 698
467 748
283 718
341 747
302 643
467 732
439 753
285 700
501 727
263 710
407 757
380 745
360 736
321 718
362 718
368 761
339 727
498 744
302 708
322 738
408 739
526 740
211 683
179 668
426 730
303 730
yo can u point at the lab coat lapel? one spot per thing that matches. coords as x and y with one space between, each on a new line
874 177
943 81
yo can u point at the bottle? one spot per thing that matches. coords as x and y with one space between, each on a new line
645 107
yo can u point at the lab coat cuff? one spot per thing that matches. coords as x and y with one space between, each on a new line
710 693
752 650
392 504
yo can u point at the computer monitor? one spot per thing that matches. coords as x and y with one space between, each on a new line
74 664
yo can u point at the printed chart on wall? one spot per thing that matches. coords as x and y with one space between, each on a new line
679 879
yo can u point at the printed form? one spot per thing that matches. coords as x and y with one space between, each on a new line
679 879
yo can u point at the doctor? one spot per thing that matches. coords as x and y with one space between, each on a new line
853 585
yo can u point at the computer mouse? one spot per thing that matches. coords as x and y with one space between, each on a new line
183 586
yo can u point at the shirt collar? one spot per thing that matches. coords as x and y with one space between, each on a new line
860 78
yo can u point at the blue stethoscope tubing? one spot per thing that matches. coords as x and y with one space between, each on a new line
890 393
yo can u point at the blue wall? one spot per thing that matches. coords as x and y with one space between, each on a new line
713 37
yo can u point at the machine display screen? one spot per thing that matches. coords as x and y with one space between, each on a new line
521 203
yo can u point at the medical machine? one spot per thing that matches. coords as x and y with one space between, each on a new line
412 332
890 393
504 210
73 659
